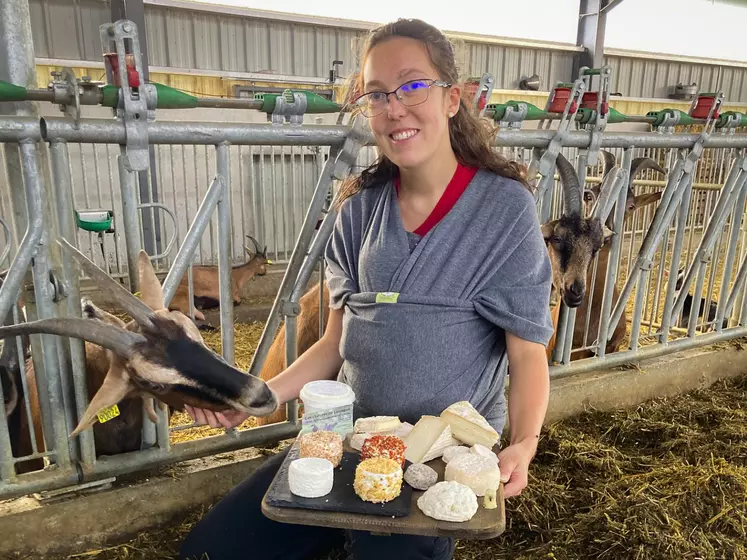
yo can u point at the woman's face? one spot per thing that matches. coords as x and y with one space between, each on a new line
410 136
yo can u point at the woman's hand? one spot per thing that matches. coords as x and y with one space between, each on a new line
514 464
227 419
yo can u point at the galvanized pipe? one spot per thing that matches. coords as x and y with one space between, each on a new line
130 219
732 187
291 354
679 239
613 261
634 356
196 133
223 167
62 183
192 239
46 308
662 217
16 129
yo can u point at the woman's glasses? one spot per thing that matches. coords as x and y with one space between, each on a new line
410 93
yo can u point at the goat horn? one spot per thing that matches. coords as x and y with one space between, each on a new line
609 161
132 305
571 187
107 336
256 245
643 163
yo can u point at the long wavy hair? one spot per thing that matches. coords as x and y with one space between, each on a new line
471 137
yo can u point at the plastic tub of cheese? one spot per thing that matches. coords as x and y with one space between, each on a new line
328 405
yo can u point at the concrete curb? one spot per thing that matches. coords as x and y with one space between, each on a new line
116 515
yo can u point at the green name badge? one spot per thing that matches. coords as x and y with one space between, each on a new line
387 297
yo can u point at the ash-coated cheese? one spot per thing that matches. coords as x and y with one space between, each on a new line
420 476
453 451
479 473
376 424
449 501
468 425
428 439
310 477
483 451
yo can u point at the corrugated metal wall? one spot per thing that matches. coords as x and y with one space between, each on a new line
207 40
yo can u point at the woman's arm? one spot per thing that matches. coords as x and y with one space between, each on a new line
528 397
321 361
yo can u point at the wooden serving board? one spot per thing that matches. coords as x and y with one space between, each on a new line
485 524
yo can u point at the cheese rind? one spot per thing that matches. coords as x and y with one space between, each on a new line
449 501
420 476
468 425
428 439
453 451
479 473
376 424
310 477
483 451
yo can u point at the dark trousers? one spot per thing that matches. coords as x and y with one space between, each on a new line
236 529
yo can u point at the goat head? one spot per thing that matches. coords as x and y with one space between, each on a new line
160 352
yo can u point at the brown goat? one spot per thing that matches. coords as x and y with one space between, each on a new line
160 353
580 237
206 289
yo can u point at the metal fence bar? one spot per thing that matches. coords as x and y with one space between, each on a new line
130 218
184 257
62 183
224 253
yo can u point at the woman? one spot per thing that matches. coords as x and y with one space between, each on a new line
451 228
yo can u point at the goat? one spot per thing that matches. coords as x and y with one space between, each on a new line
632 201
684 321
206 292
159 353
594 299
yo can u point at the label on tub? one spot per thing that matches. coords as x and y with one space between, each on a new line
338 420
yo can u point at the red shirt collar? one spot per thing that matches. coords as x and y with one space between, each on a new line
458 184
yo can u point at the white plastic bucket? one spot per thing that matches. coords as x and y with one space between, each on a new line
327 405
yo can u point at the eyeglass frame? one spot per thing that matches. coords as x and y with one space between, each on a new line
437 83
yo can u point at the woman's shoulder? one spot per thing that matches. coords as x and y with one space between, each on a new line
504 192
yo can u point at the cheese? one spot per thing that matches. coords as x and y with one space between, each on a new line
483 451
310 477
420 476
479 473
490 500
428 439
400 431
376 424
357 440
378 480
449 501
453 451
468 426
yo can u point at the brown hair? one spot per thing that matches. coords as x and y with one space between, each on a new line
471 137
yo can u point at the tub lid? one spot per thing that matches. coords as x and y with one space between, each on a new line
327 392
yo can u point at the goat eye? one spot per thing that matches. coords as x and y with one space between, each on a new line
555 240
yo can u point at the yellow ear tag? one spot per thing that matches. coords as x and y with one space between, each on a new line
268 261
137 294
106 414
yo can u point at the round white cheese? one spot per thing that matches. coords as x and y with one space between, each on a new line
453 451
310 477
483 451
479 473
449 501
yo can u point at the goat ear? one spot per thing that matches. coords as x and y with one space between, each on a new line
548 229
116 386
645 199
150 287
